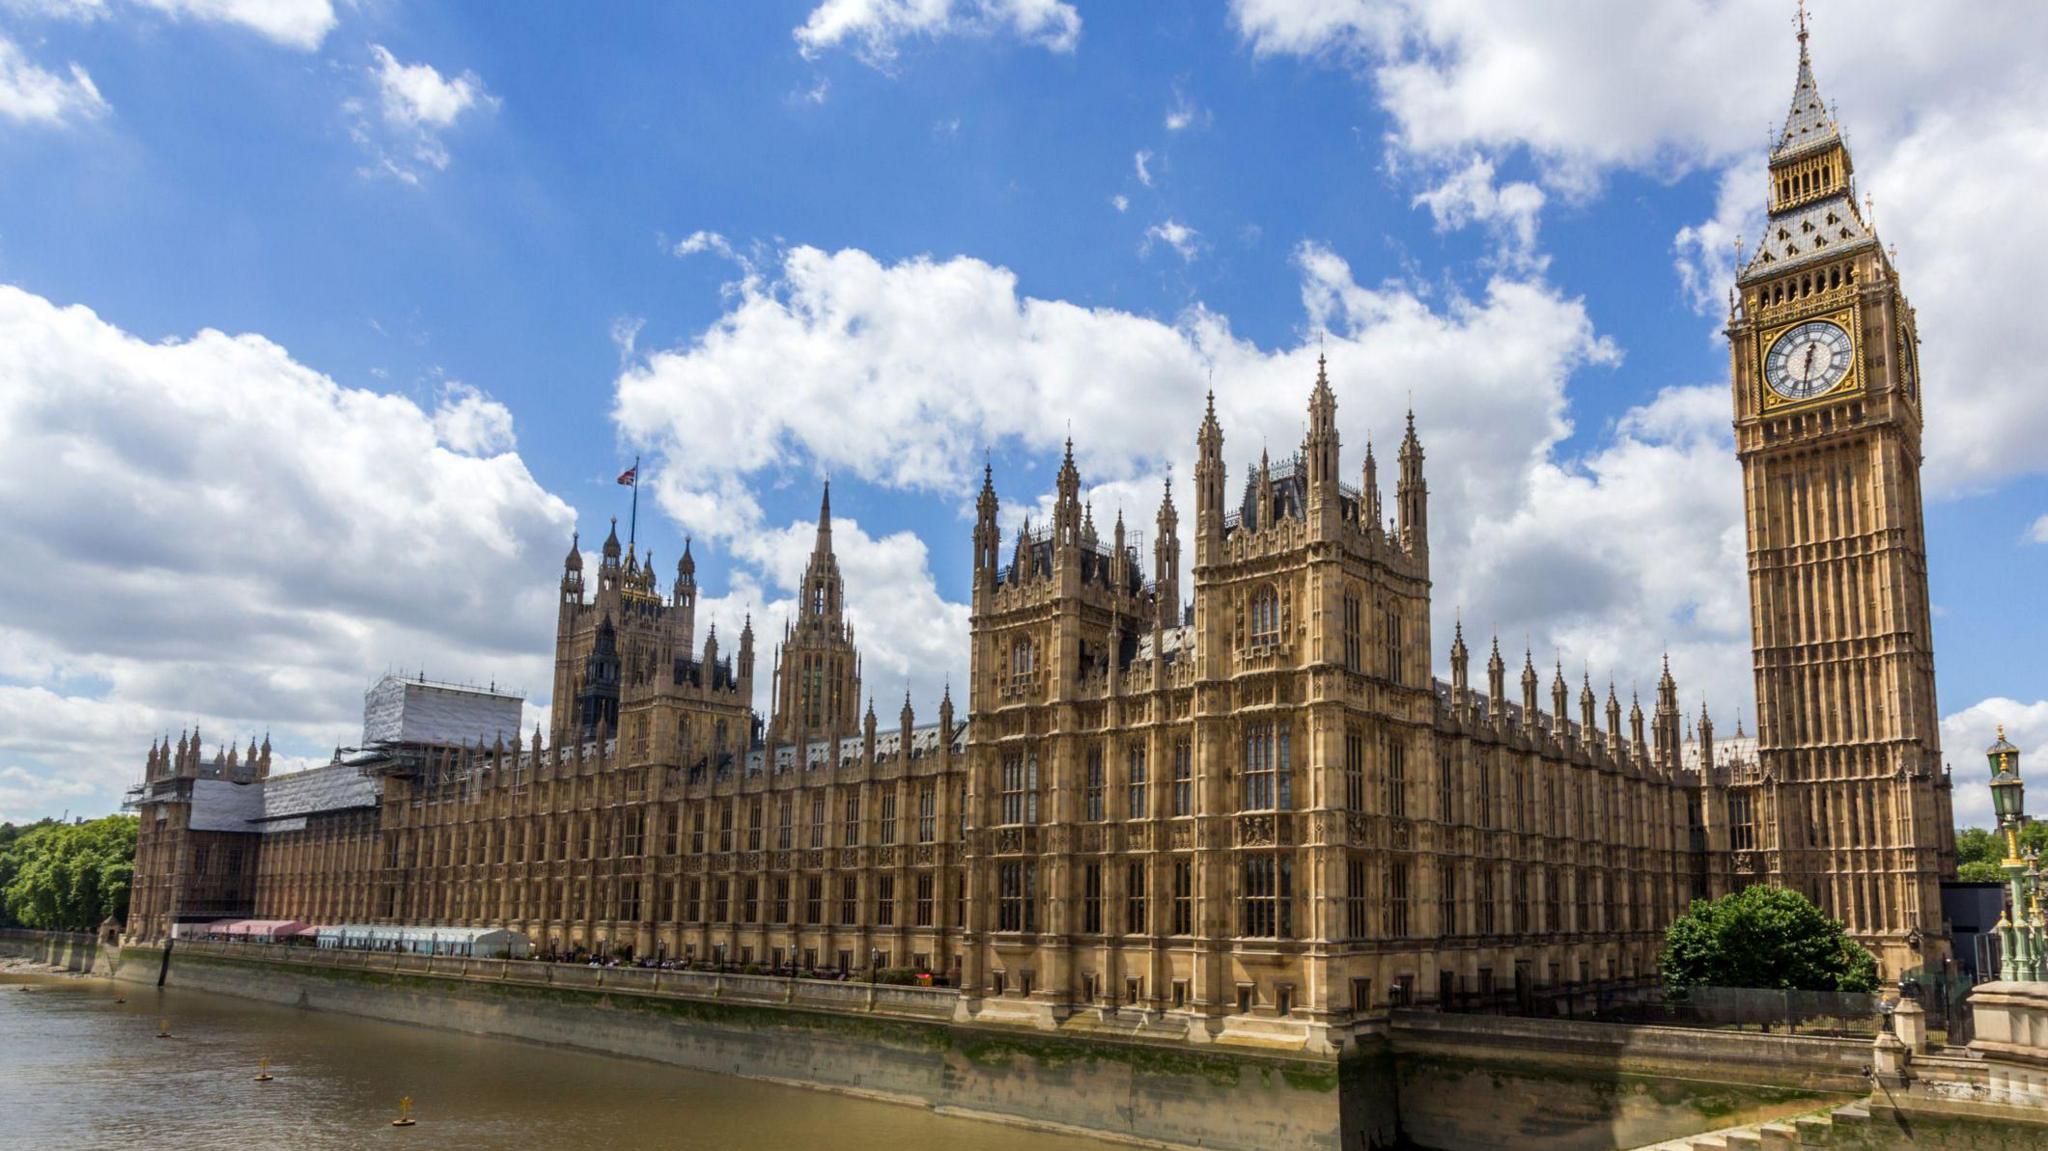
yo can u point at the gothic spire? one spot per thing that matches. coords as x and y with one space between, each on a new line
1809 121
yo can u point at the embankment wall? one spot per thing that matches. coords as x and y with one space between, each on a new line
886 1042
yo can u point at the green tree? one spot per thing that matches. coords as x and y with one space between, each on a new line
68 876
1980 853
1762 936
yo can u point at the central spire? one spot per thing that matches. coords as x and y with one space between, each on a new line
1809 122
824 545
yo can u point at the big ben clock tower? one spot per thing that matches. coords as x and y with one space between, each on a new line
1854 802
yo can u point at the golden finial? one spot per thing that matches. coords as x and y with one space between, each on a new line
1801 18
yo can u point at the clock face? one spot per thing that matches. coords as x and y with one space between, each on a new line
1808 360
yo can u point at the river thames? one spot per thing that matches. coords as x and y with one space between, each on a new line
79 1070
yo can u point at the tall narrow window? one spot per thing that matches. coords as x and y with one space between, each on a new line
1265 621
1016 897
888 816
1354 770
1444 792
1091 899
926 891
1134 898
817 821
1356 899
784 831
1020 788
1183 776
1268 890
1183 897
1446 899
814 900
849 901
1134 782
849 832
1092 795
1397 777
885 900
1397 899
1353 625
1268 782
1391 636
755 818
927 812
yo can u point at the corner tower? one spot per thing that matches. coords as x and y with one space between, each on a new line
1827 426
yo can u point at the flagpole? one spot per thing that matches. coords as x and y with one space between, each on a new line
633 524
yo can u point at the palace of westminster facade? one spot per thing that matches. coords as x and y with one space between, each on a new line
1262 814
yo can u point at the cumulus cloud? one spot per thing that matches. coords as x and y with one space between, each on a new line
1142 163
206 530
2039 532
300 24
1185 241
876 30
1120 202
1667 89
1470 195
899 374
31 94
415 104
472 423
1964 736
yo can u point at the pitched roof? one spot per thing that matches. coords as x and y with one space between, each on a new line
1808 123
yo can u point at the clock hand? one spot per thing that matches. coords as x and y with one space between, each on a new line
1806 366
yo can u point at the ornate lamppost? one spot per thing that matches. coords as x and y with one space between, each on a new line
2020 932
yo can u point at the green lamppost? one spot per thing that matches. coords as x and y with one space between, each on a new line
2017 937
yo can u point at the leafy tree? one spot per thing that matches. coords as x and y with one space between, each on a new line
1980 852
68 876
1771 937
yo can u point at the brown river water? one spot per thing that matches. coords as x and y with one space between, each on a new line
79 1071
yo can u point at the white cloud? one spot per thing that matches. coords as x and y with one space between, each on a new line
205 530
1966 733
30 94
472 423
878 29
1184 113
1666 89
1142 162
1120 202
898 374
1469 195
415 105
1182 239
2039 532
300 24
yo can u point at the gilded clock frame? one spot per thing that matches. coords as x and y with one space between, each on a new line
1850 320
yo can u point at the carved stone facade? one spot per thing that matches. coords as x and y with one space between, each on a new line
1852 796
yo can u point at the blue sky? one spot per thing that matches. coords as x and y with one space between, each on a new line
326 324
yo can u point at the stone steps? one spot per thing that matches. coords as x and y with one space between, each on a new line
1815 1129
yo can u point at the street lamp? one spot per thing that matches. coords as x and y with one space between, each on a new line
2019 933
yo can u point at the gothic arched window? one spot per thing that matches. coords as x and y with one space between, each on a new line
1265 621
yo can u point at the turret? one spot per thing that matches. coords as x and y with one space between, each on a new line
743 671
988 541
1637 747
1412 495
1066 512
909 721
1665 728
1560 704
1497 685
1371 515
1320 452
1706 743
685 600
572 570
1528 689
1588 712
946 714
1459 658
1209 496
1613 721
1166 563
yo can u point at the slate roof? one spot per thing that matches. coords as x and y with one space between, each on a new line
1808 123
1819 230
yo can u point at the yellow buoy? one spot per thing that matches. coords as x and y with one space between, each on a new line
263 1070
163 1029
118 1001
405 1118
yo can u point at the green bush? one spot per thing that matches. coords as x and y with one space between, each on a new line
1769 937
67 876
